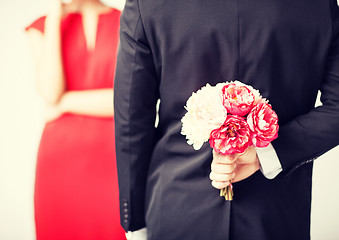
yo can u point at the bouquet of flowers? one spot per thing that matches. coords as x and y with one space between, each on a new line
232 116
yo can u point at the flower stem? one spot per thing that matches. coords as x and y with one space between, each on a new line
222 194
227 192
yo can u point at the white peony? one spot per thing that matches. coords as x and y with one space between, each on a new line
205 112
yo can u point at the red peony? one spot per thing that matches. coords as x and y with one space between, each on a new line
234 136
237 98
263 122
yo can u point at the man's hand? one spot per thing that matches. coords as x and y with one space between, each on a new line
235 167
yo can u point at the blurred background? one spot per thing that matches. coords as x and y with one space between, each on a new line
21 122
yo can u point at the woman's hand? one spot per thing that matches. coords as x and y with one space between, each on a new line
235 167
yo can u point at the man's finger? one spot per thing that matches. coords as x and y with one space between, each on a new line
219 185
221 177
222 168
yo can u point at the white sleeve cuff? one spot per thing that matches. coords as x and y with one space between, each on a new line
269 162
140 234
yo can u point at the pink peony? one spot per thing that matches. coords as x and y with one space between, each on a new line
232 137
263 122
238 99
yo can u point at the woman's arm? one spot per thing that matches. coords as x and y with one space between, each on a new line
50 75
47 53
97 102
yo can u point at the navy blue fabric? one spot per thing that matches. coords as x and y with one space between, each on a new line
288 49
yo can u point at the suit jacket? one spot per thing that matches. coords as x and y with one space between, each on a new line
287 49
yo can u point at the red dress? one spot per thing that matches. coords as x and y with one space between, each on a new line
76 187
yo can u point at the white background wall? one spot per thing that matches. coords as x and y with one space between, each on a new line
21 114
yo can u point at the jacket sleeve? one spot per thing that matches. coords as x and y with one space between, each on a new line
309 136
135 97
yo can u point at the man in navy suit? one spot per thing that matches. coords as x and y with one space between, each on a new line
288 50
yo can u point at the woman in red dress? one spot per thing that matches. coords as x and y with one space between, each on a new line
76 189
